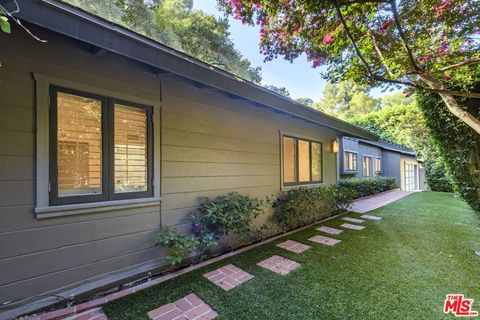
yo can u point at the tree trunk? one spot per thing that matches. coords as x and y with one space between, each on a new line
452 103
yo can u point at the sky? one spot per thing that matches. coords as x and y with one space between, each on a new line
300 79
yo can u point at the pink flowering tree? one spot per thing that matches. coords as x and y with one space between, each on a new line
428 45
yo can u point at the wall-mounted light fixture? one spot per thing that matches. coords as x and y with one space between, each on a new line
335 145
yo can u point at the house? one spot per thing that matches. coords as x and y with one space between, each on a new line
107 135
361 158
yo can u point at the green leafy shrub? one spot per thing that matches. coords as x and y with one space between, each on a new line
299 207
368 187
180 245
215 219
339 199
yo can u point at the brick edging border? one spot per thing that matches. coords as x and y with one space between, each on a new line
116 295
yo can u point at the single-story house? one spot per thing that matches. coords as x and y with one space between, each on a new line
361 158
107 135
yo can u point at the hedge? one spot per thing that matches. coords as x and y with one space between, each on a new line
370 186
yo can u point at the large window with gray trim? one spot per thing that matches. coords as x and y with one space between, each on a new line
301 161
350 161
100 148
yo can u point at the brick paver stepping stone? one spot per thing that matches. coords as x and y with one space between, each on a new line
92 314
353 220
189 307
325 240
329 230
369 217
279 265
228 277
352 226
293 246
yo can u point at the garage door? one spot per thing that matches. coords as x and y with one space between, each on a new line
410 177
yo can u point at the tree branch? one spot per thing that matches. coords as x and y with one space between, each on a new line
396 18
379 52
474 95
457 65
357 50
347 3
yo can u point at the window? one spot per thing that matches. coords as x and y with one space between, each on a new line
378 164
100 148
350 161
367 166
302 161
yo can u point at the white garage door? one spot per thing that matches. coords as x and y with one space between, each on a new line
410 177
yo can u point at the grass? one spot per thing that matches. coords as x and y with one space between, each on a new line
398 268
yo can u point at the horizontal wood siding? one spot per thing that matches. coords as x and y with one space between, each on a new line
214 145
211 145
37 256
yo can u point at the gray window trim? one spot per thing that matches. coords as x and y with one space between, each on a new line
288 186
343 157
42 206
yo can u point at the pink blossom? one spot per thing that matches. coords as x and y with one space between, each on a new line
328 38
407 92
447 78
442 7
385 25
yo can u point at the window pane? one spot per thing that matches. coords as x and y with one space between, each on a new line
354 161
79 148
288 159
303 161
316 161
130 149
378 164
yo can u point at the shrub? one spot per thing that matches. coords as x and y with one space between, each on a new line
299 207
216 218
180 245
368 187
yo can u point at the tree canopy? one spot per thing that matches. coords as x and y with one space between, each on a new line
176 24
428 45
345 100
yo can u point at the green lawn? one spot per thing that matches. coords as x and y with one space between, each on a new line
398 268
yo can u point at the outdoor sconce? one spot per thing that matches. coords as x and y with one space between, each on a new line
335 144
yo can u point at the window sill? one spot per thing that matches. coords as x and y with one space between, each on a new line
82 208
308 185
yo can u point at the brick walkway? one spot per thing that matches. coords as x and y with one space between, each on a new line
352 226
92 314
377 201
279 265
354 220
189 307
228 277
329 230
293 246
325 240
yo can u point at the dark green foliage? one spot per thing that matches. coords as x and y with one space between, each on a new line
435 173
180 245
299 207
233 213
176 24
368 187
215 219
458 145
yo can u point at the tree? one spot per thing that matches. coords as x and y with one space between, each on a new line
346 99
395 99
175 23
305 101
426 45
280 90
